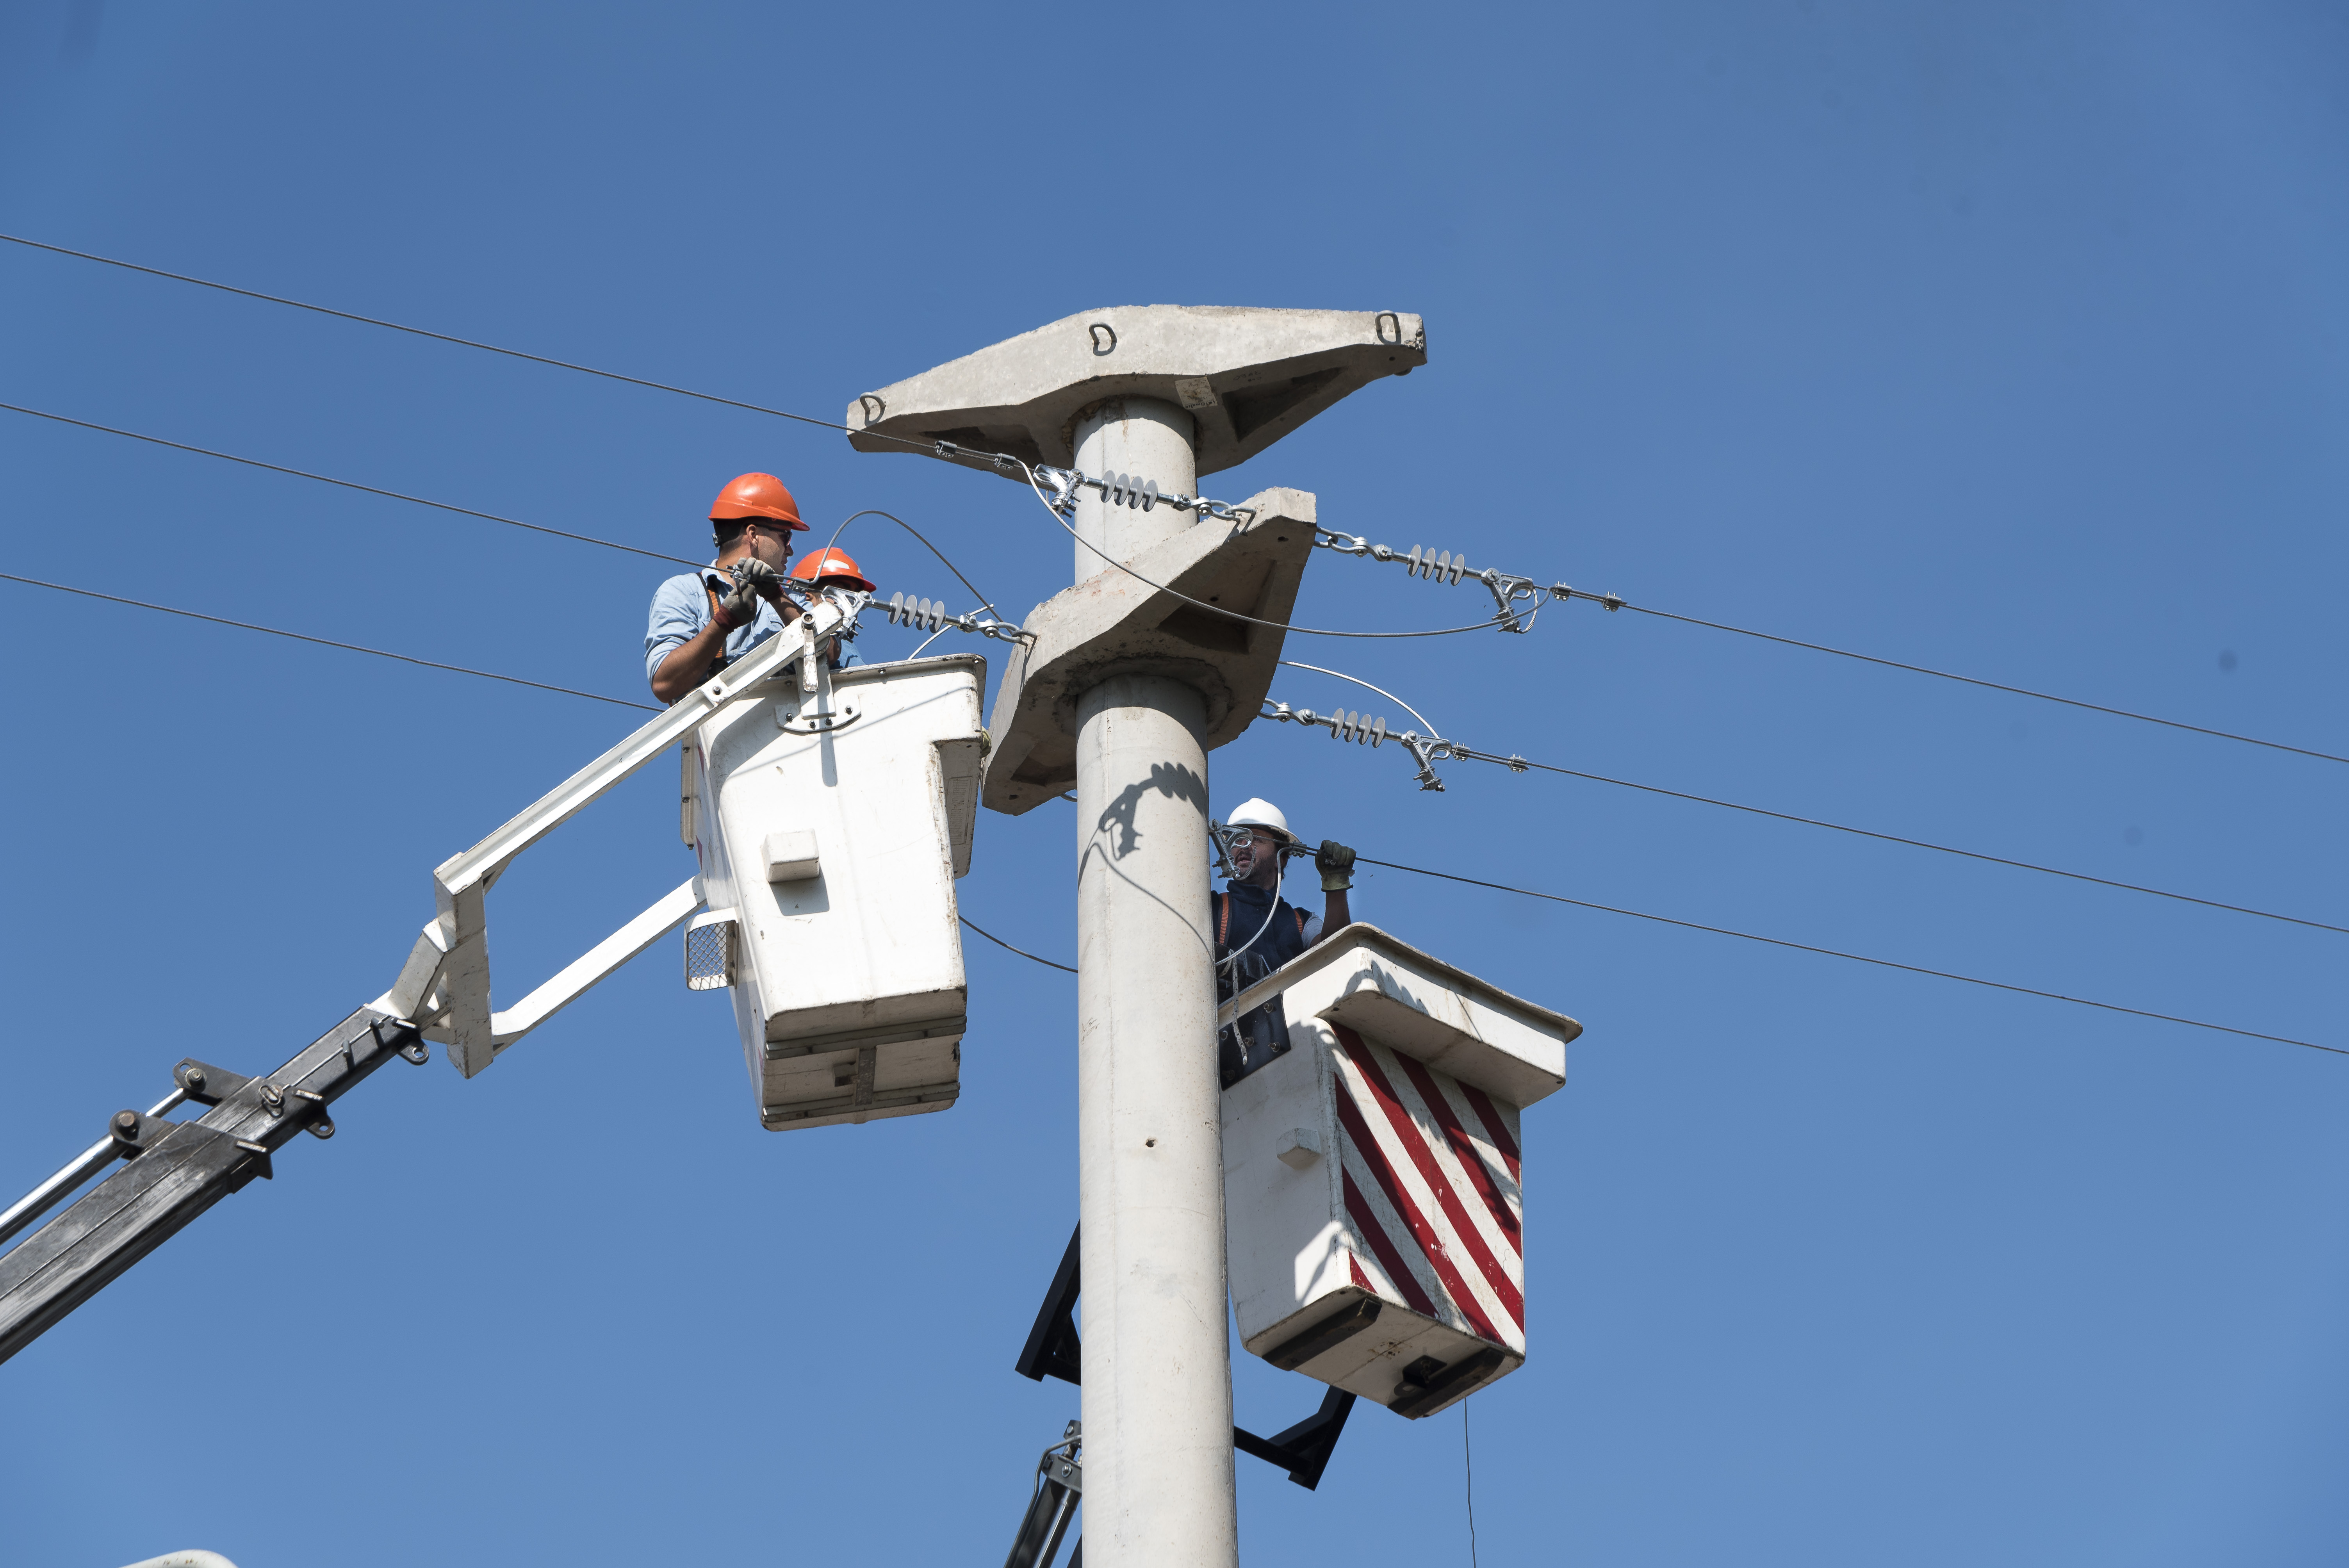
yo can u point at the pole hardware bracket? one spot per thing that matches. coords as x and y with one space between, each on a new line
206 1084
135 1133
1054 1350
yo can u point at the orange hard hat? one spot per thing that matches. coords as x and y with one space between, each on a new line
756 495
830 563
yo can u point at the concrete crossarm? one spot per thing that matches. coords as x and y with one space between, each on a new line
444 987
1415 1002
1249 377
1115 623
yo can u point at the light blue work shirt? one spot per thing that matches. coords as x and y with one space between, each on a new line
681 609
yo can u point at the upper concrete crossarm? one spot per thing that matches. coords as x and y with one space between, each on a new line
1246 377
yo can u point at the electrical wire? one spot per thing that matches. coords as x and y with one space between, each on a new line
1021 951
985 602
1613 602
460 342
1856 957
658 387
469 511
1518 763
1366 685
1279 884
325 641
1235 614
347 484
1440 749
1468 1473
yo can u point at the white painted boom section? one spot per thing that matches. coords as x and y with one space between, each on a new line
444 986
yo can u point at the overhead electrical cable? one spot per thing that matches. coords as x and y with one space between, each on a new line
1856 957
1559 592
323 641
1435 747
1519 763
449 337
1615 602
1317 669
1021 951
462 511
1217 608
985 602
348 484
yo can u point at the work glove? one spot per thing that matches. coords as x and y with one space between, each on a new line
1335 861
756 576
735 607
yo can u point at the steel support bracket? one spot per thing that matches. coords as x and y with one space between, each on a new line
1054 1350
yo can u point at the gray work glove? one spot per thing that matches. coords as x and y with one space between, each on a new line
735 607
1335 861
754 579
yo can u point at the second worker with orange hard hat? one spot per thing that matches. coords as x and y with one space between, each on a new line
703 621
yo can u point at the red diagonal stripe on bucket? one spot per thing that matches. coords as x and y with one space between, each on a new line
1472 1160
1366 1220
1431 1241
1497 1128
1414 1139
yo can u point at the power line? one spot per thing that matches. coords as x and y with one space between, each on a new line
1468 1475
1317 669
323 641
1218 609
1561 591
1856 957
633 381
985 602
1434 747
466 511
1614 601
1518 763
346 484
447 338
1021 951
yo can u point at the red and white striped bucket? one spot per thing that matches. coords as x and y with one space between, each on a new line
1373 1175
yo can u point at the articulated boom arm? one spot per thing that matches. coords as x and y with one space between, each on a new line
174 1171
445 984
177 1170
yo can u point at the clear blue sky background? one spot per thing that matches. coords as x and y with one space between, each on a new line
2007 338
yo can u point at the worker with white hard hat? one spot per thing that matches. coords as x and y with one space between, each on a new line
1257 930
703 621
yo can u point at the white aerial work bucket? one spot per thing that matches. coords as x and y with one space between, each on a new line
1373 1173
831 825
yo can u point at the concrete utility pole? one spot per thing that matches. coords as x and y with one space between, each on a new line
1123 694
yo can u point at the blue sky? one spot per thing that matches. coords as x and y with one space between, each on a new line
2001 338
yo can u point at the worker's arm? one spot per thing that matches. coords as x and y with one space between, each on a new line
678 651
686 663
1335 861
689 663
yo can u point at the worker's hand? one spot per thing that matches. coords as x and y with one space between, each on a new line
735 608
759 578
1335 861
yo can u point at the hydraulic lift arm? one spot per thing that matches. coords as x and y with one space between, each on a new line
174 1171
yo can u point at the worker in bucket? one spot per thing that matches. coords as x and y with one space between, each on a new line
1257 930
826 570
703 621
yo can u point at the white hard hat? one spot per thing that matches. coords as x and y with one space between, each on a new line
1260 814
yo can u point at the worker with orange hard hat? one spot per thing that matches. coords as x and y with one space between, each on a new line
703 621
827 569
